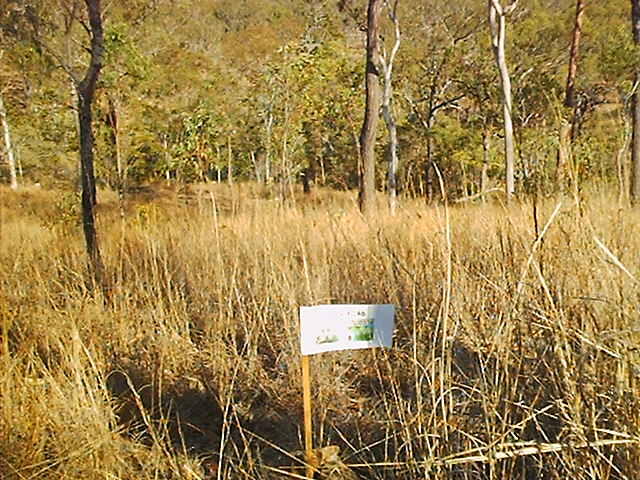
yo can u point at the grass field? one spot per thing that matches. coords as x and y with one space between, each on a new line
515 356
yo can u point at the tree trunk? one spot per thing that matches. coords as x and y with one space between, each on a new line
621 167
87 175
323 173
167 157
370 123
634 186
85 90
229 161
256 168
484 174
113 122
498 21
430 164
570 93
564 152
309 174
267 156
565 146
387 113
314 154
306 181
8 146
392 177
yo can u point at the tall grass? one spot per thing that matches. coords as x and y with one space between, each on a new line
516 330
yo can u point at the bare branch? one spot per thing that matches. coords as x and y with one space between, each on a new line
448 102
466 35
59 60
387 63
71 14
85 26
511 8
415 110
494 13
495 4
107 8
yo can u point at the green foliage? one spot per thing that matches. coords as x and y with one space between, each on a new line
305 105
124 63
277 87
618 56
196 147
67 216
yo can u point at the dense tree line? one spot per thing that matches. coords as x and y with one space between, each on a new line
216 90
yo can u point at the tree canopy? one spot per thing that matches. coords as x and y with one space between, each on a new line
272 90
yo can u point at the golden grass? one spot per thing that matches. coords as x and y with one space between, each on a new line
511 333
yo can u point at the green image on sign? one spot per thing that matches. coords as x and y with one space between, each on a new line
362 333
326 336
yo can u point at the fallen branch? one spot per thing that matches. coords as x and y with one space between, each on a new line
533 449
512 450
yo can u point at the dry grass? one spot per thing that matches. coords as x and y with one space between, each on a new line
510 338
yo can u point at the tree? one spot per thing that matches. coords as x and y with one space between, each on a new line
441 87
498 23
570 92
295 103
38 21
6 131
478 86
567 130
372 107
387 107
635 109
8 146
125 71
86 89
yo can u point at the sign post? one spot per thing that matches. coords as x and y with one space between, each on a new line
306 397
328 328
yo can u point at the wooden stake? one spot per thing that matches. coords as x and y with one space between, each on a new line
306 398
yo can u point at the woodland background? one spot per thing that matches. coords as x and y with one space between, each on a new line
272 90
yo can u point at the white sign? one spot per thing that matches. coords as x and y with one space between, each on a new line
326 328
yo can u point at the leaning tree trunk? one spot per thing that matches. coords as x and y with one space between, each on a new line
567 128
8 146
498 21
86 90
370 123
635 109
570 92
